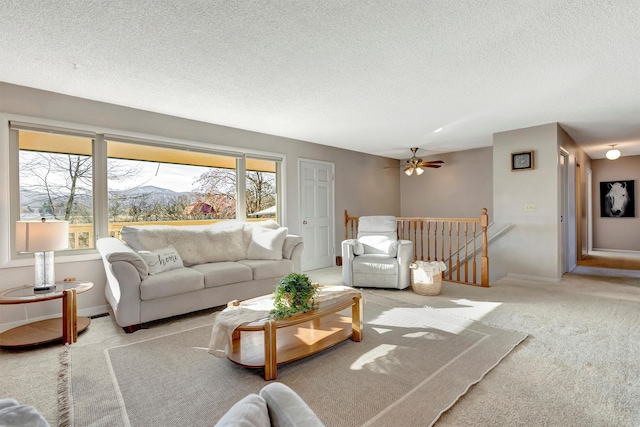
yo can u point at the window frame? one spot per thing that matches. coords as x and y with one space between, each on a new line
10 177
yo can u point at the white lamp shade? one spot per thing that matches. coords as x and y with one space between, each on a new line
39 236
613 154
419 170
408 171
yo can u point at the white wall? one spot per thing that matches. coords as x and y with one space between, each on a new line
360 186
460 188
530 248
616 233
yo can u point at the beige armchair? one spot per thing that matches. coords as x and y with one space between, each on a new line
377 259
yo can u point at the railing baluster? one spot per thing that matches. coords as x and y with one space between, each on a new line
475 254
466 251
442 242
458 251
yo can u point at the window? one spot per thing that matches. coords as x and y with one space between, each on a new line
55 181
261 189
101 182
166 185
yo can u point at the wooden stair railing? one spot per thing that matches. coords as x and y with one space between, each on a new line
439 239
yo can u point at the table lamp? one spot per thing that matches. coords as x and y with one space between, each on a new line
42 238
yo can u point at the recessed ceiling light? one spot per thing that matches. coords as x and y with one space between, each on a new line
438 130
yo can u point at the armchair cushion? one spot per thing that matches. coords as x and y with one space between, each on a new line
379 245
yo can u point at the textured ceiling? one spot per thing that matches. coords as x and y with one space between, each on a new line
376 76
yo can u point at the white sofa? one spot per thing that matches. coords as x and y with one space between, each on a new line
163 271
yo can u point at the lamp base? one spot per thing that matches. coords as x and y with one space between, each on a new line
45 277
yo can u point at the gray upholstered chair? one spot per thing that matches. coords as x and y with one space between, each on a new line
377 259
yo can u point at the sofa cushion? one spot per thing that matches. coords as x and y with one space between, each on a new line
224 273
264 269
196 244
161 260
266 243
290 243
249 226
375 263
250 411
174 282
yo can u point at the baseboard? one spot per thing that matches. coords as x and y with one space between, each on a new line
622 251
86 312
607 272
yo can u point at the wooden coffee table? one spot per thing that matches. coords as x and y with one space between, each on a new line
268 342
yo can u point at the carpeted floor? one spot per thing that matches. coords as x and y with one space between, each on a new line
578 367
408 354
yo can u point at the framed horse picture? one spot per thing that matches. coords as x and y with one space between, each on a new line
617 199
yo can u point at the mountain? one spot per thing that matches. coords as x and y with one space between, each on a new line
32 201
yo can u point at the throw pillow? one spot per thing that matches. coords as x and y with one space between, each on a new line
161 260
266 243
251 411
379 245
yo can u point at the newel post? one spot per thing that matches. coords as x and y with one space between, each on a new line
484 266
346 225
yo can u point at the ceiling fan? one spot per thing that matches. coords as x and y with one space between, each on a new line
416 164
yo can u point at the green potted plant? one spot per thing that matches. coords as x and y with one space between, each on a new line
294 294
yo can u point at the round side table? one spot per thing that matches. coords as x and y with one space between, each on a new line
49 330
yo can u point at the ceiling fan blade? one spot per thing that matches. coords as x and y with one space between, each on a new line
433 162
430 166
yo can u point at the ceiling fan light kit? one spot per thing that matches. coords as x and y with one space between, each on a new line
415 164
613 154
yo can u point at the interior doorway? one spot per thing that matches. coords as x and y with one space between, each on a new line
317 213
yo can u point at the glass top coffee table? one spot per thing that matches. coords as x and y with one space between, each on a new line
49 330
269 342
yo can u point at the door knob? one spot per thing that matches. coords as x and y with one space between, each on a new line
304 222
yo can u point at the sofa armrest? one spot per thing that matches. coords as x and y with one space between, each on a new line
348 254
286 408
292 249
122 289
14 414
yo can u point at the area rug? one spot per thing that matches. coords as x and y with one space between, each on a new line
411 366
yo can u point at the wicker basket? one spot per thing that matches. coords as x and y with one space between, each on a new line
426 277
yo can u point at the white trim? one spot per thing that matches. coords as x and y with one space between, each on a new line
8 257
622 251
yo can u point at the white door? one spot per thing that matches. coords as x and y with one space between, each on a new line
316 214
